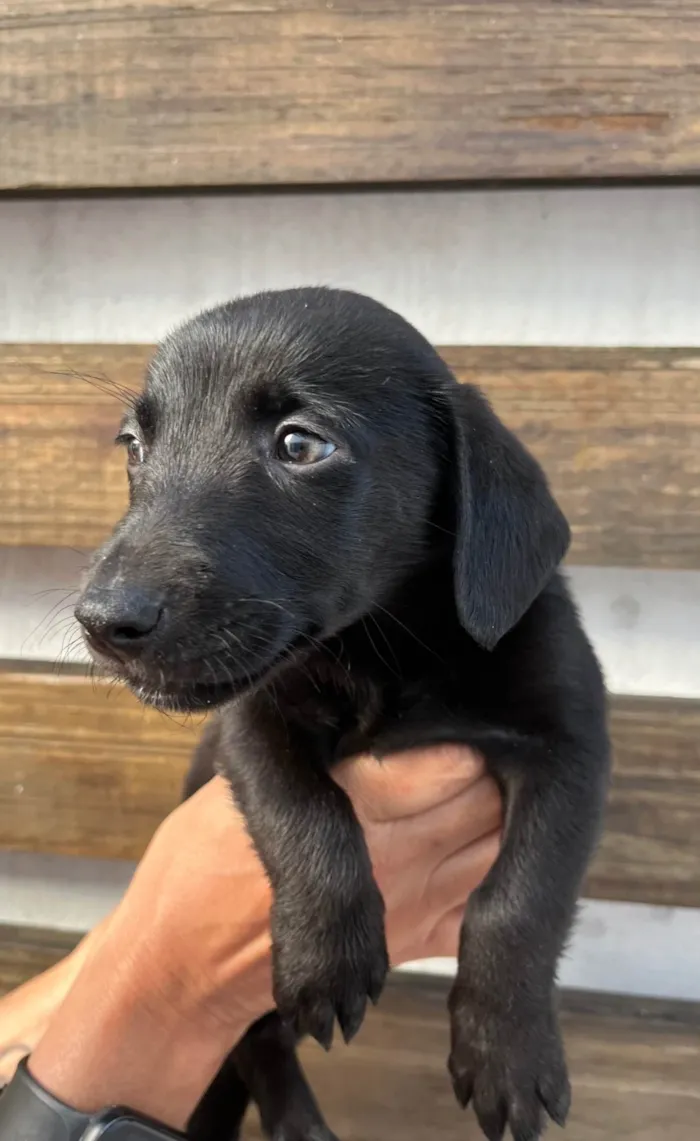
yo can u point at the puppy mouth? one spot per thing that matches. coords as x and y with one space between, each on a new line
179 694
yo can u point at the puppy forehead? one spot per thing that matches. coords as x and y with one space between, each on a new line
268 374
233 396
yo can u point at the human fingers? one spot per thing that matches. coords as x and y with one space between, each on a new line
407 853
407 783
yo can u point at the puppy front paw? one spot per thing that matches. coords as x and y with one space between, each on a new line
510 1066
327 961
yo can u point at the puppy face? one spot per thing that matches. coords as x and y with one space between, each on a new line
283 467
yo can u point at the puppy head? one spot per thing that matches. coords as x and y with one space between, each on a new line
282 469
286 460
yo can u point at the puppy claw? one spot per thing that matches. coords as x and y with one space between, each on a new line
526 1118
527 1132
555 1095
513 1069
351 1016
492 1118
326 971
491 1127
317 1020
321 1028
462 1083
376 983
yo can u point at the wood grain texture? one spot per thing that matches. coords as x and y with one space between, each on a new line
28 951
634 1063
64 485
618 432
228 92
650 849
85 770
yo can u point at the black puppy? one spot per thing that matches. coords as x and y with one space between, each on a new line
346 550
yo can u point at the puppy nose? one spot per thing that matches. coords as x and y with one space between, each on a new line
123 618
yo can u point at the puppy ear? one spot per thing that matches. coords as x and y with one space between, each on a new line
510 534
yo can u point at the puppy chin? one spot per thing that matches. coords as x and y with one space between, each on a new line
172 694
185 699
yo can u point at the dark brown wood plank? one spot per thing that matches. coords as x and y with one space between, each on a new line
634 1063
64 483
618 432
85 770
160 93
27 951
650 850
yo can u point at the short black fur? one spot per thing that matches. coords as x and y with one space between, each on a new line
401 590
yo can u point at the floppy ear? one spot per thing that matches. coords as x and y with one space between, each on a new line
510 534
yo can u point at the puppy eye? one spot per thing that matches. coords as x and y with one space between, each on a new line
298 447
135 451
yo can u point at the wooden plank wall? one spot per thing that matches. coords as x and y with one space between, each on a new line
108 94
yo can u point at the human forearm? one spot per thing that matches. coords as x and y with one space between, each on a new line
25 1013
178 974
122 1037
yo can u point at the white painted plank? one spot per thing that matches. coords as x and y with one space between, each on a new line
38 589
567 267
63 892
625 948
644 624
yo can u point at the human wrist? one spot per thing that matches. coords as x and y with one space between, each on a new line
159 1069
119 1039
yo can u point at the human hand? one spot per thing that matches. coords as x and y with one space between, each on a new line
183 967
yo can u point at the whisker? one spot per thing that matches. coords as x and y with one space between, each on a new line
62 604
101 382
374 646
59 621
52 590
387 640
407 629
444 530
325 648
67 649
62 626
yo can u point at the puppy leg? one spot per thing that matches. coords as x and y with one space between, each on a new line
266 1059
507 1056
329 948
220 1113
